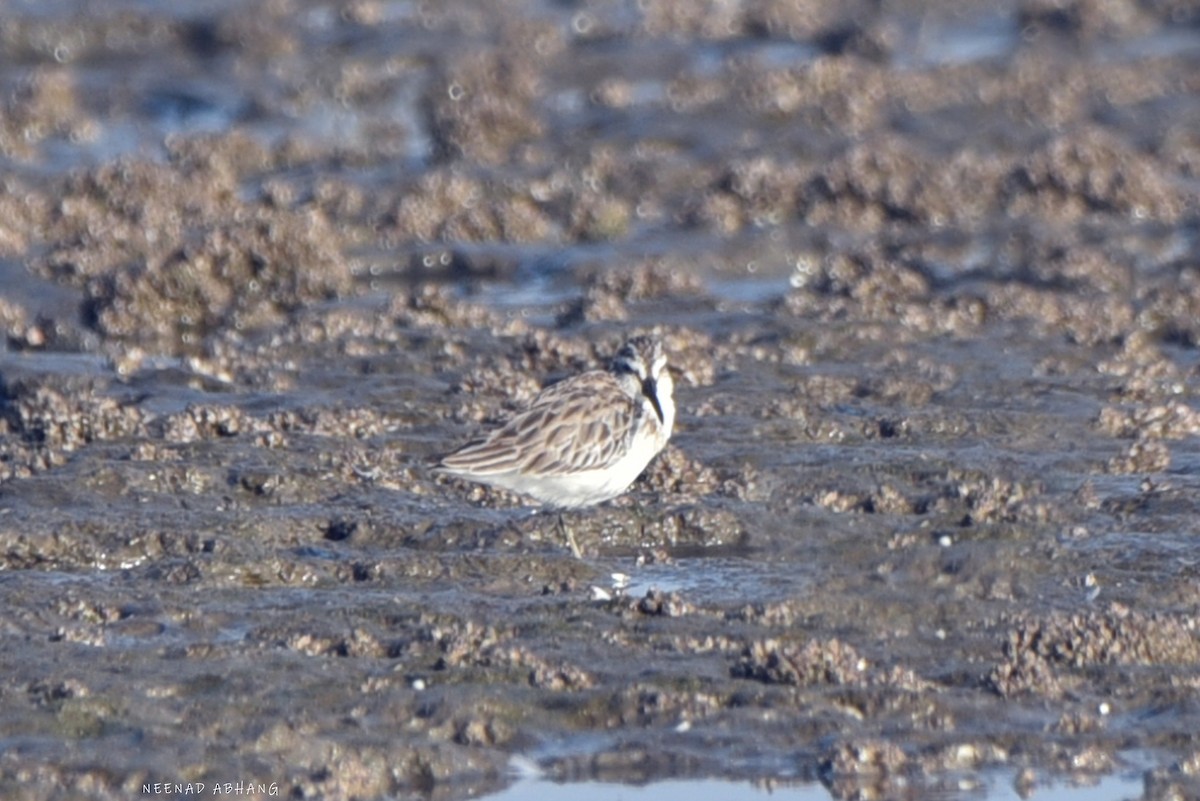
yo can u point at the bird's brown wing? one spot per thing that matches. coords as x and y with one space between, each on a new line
579 424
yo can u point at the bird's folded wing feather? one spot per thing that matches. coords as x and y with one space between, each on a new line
575 425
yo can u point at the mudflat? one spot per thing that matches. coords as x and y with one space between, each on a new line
928 277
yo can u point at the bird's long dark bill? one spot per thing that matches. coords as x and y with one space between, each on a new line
650 390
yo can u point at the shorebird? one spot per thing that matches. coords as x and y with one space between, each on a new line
583 440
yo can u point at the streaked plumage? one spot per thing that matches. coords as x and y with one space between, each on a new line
583 440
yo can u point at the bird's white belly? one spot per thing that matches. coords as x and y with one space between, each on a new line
587 487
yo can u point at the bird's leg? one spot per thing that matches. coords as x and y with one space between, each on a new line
639 515
569 536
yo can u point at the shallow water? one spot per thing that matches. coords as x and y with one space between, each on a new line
1109 788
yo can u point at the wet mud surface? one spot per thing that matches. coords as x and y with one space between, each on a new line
928 277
